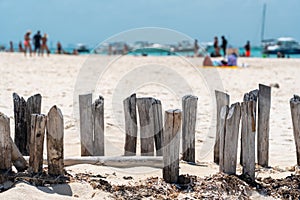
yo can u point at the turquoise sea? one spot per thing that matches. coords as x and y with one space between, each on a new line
255 52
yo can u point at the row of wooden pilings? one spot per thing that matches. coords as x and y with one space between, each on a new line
156 137
31 127
252 121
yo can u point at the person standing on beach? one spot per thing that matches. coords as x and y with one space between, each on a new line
44 45
11 46
247 49
196 48
21 47
224 45
27 45
216 48
37 42
59 49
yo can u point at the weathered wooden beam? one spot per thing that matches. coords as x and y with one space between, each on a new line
222 99
5 144
222 135
189 118
264 105
171 145
158 126
295 112
146 125
33 106
86 124
115 161
20 123
17 158
251 96
55 141
130 125
98 115
248 109
38 124
231 138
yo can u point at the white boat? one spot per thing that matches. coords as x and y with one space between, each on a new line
282 45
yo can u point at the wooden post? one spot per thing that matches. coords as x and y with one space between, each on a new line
171 145
248 109
222 99
130 125
86 124
33 107
5 144
146 125
189 118
17 158
158 126
231 138
38 123
20 123
251 96
264 105
98 115
295 111
55 141
222 134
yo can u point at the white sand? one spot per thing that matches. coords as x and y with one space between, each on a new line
56 79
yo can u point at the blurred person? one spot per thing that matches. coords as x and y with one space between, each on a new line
216 53
11 46
21 47
196 48
44 45
247 49
37 42
27 45
224 45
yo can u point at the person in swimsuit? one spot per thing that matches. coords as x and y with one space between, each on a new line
27 45
44 45
216 53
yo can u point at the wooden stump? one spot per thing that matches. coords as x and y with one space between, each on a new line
86 124
251 96
33 106
248 138
17 158
189 118
20 123
231 139
222 134
130 125
158 126
264 105
38 123
55 142
171 145
295 112
222 99
5 144
145 110
98 115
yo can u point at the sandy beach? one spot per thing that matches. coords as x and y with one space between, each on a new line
60 78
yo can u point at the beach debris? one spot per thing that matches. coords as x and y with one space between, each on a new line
285 188
218 186
127 177
274 85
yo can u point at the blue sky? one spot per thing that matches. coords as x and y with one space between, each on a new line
92 21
